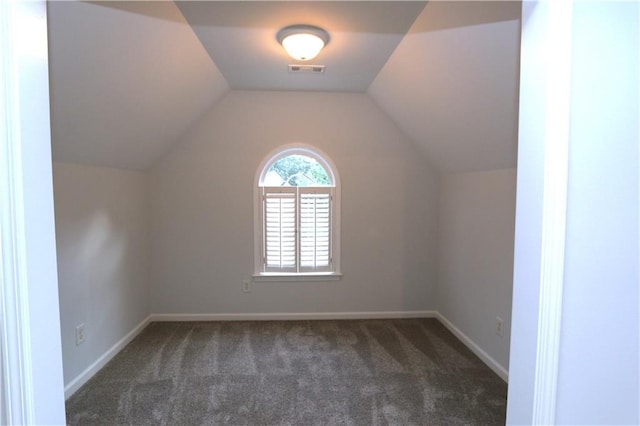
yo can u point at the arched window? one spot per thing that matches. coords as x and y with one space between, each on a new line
297 215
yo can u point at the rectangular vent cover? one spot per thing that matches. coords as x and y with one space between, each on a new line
313 69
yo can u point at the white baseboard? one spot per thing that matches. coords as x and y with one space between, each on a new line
485 357
87 374
294 316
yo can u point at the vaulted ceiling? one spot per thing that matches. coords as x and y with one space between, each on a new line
241 39
129 78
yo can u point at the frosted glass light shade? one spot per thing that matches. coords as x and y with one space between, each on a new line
303 42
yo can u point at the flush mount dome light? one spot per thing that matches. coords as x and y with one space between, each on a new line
303 42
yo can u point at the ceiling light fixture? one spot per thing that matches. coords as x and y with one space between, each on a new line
303 42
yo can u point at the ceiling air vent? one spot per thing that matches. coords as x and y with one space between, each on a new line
313 69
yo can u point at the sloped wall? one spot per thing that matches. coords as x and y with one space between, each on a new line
202 209
127 79
452 84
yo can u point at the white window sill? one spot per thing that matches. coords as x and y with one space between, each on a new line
303 277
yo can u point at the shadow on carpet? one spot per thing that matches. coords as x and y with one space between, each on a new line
364 372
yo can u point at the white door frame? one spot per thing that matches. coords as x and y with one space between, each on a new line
30 351
20 394
541 210
17 393
554 206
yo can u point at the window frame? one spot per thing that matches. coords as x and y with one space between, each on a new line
259 273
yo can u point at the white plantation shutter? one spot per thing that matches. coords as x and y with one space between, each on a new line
315 229
297 229
280 222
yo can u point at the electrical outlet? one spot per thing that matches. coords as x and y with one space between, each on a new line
499 326
79 334
246 286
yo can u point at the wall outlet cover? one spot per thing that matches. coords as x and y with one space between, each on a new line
499 326
79 334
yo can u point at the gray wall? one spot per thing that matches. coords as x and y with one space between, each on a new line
475 256
202 214
103 258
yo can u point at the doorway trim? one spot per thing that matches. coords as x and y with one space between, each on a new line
17 397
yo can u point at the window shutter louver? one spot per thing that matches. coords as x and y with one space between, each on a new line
315 229
297 229
280 229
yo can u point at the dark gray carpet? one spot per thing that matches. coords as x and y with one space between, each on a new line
369 372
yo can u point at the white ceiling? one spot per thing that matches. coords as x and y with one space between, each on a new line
241 39
129 78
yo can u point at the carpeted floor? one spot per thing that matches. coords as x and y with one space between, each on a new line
365 372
